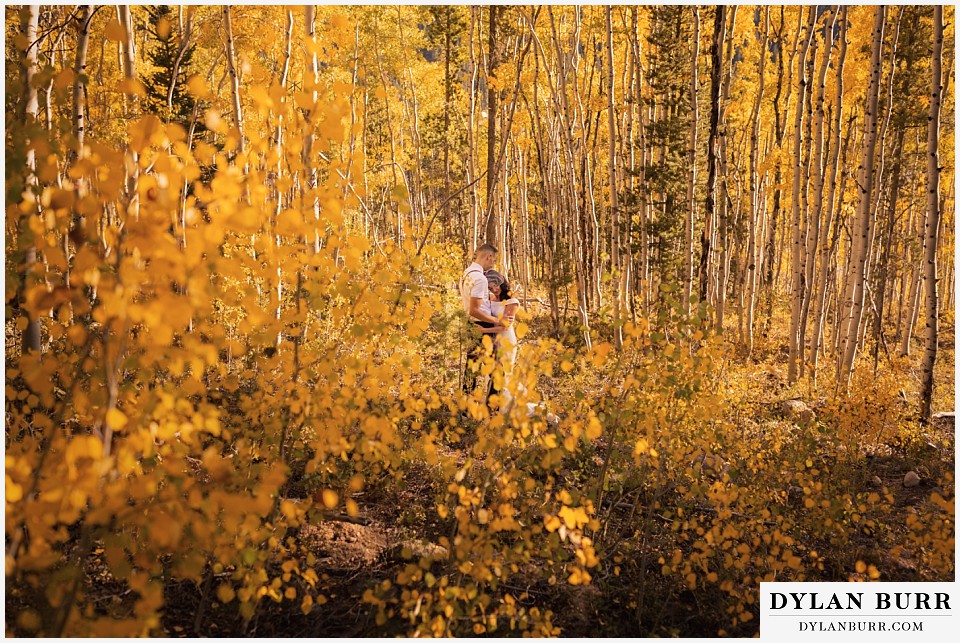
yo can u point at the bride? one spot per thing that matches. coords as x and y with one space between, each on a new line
504 306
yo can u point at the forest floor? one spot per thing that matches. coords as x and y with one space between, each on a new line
398 523
354 557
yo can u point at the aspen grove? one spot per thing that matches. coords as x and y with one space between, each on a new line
235 344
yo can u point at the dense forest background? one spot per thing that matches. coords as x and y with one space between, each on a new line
234 344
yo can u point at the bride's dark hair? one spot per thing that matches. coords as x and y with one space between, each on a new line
505 293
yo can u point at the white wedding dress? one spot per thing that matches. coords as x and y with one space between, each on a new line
507 347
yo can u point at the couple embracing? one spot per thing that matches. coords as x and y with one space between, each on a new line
492 308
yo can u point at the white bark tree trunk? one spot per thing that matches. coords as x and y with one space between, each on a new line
861 231
30 16
234 78
932 223
614 205
691 200
796 286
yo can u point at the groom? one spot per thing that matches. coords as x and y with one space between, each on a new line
476 303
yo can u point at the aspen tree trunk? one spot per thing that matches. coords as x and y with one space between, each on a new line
614 205
692 212
641 174
932 223
817 233
186 40
471 138
580 246
854 139
126 47
860 251
773 257
824 253
887 242
79 72
79 124
30 19
796 292
722 274
129 74
351 136
447 93
716 74
752 255
491 223
590 227
310 73
234 79
637 155
278 141
885 246
628 157
914 269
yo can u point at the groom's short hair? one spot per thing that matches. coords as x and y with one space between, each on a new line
485 249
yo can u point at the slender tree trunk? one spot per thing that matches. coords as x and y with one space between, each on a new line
824 253
491 223
311 69
614 205
860 250
234 78
796 288
186 40
692 181
752 254
471 137
772 260
710 214
816 233
79 74
887 241
30 18
129 74
722 274
278 142
932 223
447 95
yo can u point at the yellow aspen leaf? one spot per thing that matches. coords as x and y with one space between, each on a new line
163 28
64 79
116 419
133 87
600 352
115 31
352 509
861 567
579 577
84 446
594 429
225 593
356 482
329 498
522 329
14 492
573 517
551 522
641 447
290 593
